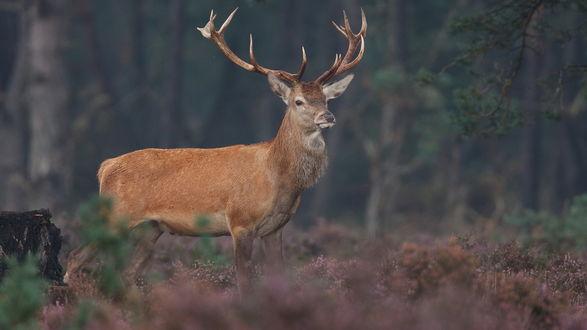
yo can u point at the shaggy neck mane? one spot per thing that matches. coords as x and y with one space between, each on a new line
297 155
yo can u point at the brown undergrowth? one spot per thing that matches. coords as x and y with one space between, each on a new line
338 280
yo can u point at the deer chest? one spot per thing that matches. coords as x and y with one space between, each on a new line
279 216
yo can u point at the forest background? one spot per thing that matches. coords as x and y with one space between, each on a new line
461 112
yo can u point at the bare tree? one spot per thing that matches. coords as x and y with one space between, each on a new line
49 166
13 128
384 153
531 137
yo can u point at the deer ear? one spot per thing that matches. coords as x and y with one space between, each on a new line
336 89
278 87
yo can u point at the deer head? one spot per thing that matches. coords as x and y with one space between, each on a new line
306 101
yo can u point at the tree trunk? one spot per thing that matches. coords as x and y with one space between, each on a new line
573 125
374 201
49 165
97 62
384 179
531 142
383 176
531 136
13 130
31 232
454 204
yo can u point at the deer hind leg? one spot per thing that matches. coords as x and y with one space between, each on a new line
79 258
243 248
273 251
144 237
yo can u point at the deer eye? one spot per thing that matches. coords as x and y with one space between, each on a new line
299 102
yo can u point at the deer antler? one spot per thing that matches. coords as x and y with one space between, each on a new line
217 36
343 64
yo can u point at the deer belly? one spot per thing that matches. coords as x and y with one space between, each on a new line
214 224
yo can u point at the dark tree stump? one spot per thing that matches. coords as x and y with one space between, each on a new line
31 232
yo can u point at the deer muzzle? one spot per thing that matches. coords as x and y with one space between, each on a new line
325 120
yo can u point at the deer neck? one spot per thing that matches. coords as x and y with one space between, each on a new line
297 156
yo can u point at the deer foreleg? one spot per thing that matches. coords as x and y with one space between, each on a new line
243 248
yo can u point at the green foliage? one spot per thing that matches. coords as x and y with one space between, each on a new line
206 249
496 27
575 224
499 38
424 77
22 294
114 244
568 232
480 113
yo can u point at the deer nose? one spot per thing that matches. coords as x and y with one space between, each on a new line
329 117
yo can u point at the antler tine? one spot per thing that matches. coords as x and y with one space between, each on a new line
209 32
352 37
339 28
302 65
283 74
330 72
357 59
354 40
347 25
346 30
363 31
251 52
217 36
227 21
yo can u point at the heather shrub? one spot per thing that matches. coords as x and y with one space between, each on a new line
84 286
510 258
323 238
539 306
465 283
54 316
187 305
418 270
279 303
350 278
335 239
455 307
276 303
298 246
565 273
85 315
222 276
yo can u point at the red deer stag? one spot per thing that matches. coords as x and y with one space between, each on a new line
247 191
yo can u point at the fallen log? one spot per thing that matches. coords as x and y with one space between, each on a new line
22 233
